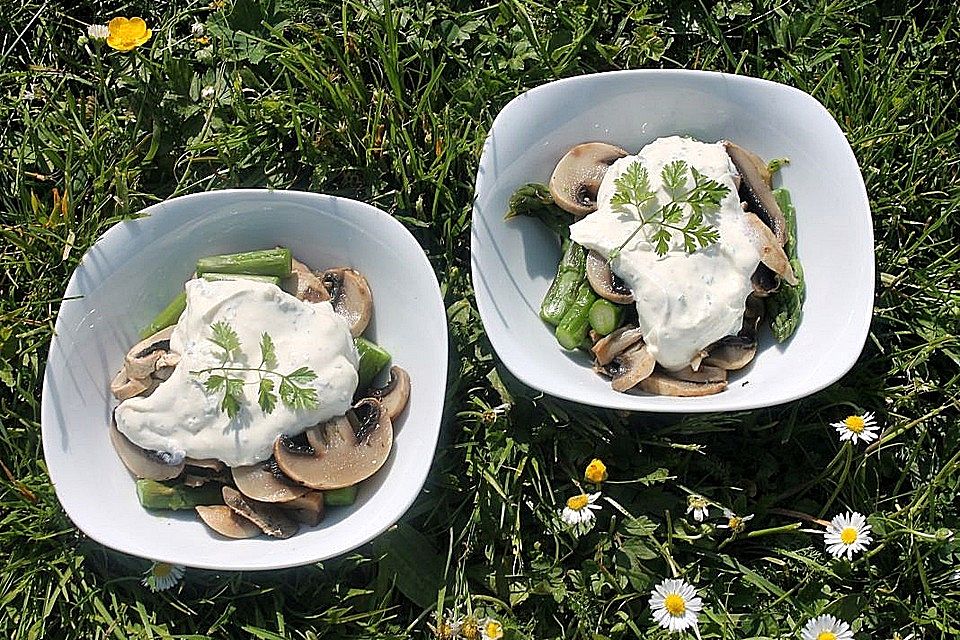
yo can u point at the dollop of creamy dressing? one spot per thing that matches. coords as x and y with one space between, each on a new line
181 418
685 301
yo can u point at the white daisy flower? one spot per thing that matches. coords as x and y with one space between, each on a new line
826 627
857 428
734 522
579 512
699 506
491 629
446 628
197 29
847 534
162 575
98 31
675 605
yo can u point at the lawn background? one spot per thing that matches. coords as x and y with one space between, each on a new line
389 102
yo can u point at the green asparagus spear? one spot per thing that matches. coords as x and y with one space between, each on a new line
535 200
785 307
576 321
605 316
156 495
340 497
240 276
570 274
373 359
169 316
269 262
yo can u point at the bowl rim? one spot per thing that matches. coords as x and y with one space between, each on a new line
274 561
642 402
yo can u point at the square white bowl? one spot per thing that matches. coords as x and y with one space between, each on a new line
514 262
138 266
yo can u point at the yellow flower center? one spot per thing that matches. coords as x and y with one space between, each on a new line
162 569
493 630
848 535
675 604
855 424
469 629
578 502
734 522
596 471
826 635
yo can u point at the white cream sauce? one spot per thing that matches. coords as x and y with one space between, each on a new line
684 301
182 419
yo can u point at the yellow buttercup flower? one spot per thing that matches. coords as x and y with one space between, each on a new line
126 35
596 471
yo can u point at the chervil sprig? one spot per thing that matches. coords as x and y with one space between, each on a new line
683 214
292 391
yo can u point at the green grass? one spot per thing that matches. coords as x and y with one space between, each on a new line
389 102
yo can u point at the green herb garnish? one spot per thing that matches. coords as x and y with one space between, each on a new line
292 391
684 214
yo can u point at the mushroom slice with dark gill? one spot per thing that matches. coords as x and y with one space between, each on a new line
616 342
629 368
394 395
351 297
662 384
704 373
755 189
141 361
305 284
141 462
604 282
265 482
308 509
123 388
226 522
735 352
765 282
731 352
577 176
271 519
199 471
343 451
771 252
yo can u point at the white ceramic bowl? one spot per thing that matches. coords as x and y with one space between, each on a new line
138 266
514 263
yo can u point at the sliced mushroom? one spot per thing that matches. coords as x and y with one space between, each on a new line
755 190
731 352
742 156
211 465
271 520
764 280
265 482
343 451
123 387
771 251
662 384
577 176
143 463
704 373
394 395
307 509
752 316
226 522
630 367
604 282
141 360
305 284
613 344
351 297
